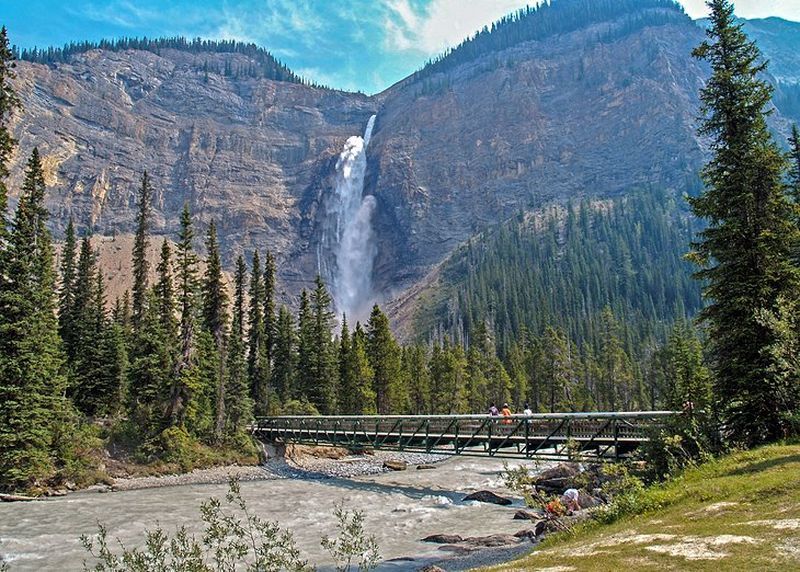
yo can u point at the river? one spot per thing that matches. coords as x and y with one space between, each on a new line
400 509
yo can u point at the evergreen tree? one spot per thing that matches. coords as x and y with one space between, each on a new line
269 304
688 381
8 104
448 372
238 406
187 384
744 253
151 369
478 395
557 373
616 377
285 356
517 372
356 396
305 348
498 384
164 290
140 245
87 372
794 185
154 350
417 379
384 357
794 164
31 362
112 357
66 292
322 385
257 364
215 318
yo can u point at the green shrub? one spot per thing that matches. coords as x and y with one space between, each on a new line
625 492
684 442
352 543
233 540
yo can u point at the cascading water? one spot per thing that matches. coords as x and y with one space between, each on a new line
348 236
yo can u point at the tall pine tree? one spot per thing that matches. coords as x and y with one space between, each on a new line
140 245
186 383
257 362
31 362
269 304
745 252
285 356
215 322
323 381
356 396
238 404
385 359
66 295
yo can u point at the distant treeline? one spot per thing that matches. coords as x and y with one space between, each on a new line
263 64
577 272
550 19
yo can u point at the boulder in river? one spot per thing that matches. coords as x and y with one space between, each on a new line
395 465
493 541
443 539
425 467
526 515
488 497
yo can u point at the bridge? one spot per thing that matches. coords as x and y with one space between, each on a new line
554 436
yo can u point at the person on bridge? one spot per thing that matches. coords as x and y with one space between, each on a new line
527 410
493 411
506 412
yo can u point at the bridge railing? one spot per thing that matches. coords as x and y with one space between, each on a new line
543 435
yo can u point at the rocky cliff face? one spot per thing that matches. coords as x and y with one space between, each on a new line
249 154
549 120
592 112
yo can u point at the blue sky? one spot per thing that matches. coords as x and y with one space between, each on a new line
357 45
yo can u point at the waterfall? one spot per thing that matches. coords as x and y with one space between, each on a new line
348 236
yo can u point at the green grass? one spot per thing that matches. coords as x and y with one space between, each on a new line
740 512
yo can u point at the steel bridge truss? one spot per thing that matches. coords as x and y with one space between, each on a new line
577 436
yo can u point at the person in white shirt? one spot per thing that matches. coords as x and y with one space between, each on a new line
527 410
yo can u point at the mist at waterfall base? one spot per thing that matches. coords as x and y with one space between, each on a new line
349 235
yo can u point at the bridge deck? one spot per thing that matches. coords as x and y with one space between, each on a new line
587 436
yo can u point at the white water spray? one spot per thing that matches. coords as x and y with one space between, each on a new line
349 234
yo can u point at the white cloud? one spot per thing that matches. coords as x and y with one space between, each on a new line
120 13
442 23
297 20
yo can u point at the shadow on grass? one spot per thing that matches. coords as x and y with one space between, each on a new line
763 465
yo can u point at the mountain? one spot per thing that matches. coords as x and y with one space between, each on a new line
577 98
779 39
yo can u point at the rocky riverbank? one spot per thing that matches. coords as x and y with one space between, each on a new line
296 461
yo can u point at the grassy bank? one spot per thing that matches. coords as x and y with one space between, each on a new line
741 512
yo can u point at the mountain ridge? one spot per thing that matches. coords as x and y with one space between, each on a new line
452 153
